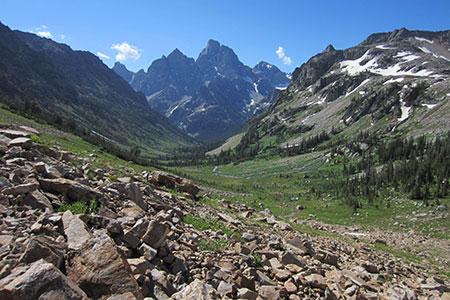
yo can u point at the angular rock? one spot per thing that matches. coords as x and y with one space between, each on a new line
370 267
245 282
21 189
140 228
130 239
187 186
43 247
161 279
135 195
196 290
74 190
126 296
245 293
124 179
228 218
327 257
106 212
139 265
46 150
248 237
316 281
41 280
37 200
4 140
329 295
100 270
282 275
264 279
283 226
290 286
147 252
291 258
23 142
75 230
269 292
275 264
178 266
172 182
156 234
226 289
12 134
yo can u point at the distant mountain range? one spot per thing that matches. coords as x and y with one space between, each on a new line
392 83
62 84
212 97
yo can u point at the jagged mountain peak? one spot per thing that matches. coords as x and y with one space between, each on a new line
263 64
176 52
212 47
122 70
217 89
329 48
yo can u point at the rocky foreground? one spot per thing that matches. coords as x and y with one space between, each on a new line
136 245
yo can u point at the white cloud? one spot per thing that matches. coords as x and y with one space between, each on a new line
42 31
46 34
101 55
282 55
126 51
63 36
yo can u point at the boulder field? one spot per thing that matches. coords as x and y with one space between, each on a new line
135 244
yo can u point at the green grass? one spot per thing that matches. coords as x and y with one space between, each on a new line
279 184
81 207
213 224
230 143
398 253
212 245
210 223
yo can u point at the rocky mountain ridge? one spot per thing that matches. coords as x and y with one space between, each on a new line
391 82
211 97
141 238
61 86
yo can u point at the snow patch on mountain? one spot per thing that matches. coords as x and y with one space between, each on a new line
430 106
368 63
423 40
405 111
393 80
384 47
354 67
358 87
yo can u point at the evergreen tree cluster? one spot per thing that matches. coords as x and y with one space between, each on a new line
419 168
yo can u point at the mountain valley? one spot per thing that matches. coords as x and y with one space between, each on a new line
333 182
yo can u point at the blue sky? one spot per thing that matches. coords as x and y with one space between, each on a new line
138 32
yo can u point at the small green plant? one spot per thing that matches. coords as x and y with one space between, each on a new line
81 207
212 245
78 207
256 259
36 139
210 223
